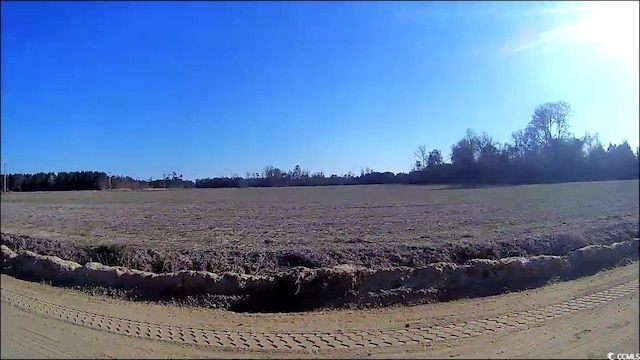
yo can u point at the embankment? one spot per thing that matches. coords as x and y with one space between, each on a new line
302 288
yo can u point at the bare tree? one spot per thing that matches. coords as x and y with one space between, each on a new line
266 173
521 144
467 150
422 158
591 144
550 121
488 148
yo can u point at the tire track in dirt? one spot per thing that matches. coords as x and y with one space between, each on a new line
40 344
314 341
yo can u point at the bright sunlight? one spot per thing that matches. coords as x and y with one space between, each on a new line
614 27
611 26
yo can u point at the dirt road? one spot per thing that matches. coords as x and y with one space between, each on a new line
586 318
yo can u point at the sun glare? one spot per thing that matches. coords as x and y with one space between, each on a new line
614 27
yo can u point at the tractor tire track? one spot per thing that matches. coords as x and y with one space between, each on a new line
315 341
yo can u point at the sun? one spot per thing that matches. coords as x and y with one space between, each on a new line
613 26
610 27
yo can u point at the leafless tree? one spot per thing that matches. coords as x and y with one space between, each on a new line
422 158
550 121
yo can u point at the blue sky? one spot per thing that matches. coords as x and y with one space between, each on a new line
212 88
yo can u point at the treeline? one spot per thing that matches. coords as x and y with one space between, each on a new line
545 151
87 180
275 177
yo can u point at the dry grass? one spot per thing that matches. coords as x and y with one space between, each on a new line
327 225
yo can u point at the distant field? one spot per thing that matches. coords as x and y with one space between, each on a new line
348 223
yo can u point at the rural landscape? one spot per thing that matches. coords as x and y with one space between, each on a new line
491 202
545 151
331 237
320 180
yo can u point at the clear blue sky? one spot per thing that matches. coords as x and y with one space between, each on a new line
212 88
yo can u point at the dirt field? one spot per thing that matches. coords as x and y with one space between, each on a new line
268 230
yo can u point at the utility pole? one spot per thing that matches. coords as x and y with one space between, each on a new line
5 178
109 180
164 181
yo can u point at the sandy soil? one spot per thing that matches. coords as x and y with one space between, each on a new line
584 318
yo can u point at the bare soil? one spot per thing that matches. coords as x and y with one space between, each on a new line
585 318
270 230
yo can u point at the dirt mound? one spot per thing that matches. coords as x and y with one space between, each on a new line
304 288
